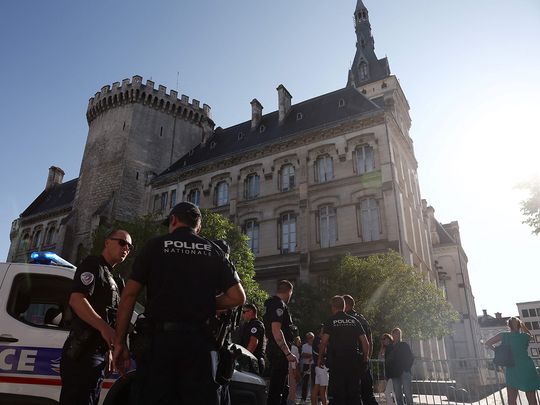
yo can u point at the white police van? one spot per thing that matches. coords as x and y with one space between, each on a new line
34 320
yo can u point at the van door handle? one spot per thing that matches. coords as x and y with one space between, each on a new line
10 339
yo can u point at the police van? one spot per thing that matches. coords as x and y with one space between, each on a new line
34 324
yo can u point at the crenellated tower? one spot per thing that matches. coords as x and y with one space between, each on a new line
135 132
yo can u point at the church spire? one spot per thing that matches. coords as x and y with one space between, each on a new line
366 67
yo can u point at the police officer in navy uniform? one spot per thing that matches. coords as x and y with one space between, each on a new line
366 379
86 355
181 272
252 337
346 346
277 323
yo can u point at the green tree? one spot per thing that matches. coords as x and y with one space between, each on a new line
387 292
530 207
214 226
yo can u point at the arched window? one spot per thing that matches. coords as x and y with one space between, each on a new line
370 222
363 70
252 231
194 196
327 226
324 169
287 177
24 242
288 232
364 159
49 240
36 240
222 193
251 186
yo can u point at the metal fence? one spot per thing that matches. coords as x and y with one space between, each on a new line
447 382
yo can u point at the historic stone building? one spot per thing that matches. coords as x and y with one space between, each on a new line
307 182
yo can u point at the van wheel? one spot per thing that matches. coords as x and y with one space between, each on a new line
119 394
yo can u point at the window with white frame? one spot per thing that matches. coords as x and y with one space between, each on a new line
156 206
288 232
370 220
163 202
327 226
251 186
252 232
172 200
222 193
194 196
324 169
364 159
287 177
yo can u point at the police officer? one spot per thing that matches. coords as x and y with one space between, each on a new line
181 272
94 300
277 322
252 337
366 379
346 346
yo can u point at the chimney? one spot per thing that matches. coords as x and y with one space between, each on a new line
284 102
256 113
498 315
56 175
485 312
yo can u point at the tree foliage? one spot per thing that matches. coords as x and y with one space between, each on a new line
530 207
214 226
387 292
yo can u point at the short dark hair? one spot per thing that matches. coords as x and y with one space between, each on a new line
338 302
252 307
284 286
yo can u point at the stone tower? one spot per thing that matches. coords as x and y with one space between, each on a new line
135 132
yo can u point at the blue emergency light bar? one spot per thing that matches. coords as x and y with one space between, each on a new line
49 258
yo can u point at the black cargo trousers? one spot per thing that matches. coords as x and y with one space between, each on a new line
279 372
343 387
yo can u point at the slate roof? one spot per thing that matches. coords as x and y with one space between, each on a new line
58 196
316 112
488 321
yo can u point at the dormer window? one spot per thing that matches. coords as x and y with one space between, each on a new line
363 70
240 136
341 103
212 145
262 128
299 116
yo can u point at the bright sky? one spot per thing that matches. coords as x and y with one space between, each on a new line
470 70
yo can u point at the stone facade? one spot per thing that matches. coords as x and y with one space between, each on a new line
529 313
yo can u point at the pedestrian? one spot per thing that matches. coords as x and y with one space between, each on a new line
182 272
366 378
386 340
319 382
295 375
398 363
522 376
277 323
86 355
307 361
252 336
345 343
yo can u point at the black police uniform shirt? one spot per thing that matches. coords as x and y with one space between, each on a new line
344 332
277 311
254 328
94 279
363 321
182 272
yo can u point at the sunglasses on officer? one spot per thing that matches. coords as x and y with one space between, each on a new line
123 243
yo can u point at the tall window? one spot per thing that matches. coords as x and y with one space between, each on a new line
324 169
36 240
156 206
287 177
364 71
49 239
172 200
364 159
288 233
222 193
251 186
194 196
370 220
252 232
163 202
327 226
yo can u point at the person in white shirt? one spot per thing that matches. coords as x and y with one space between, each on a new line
307 361
294 372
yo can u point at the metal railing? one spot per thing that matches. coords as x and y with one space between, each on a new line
447 382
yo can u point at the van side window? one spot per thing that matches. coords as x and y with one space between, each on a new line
40 300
